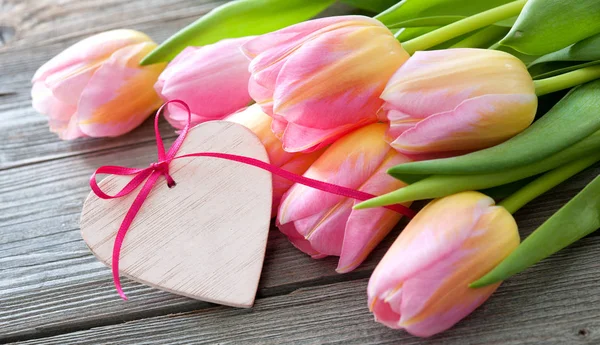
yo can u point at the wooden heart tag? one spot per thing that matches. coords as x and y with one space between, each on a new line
206 237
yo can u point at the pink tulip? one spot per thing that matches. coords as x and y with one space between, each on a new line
421 284
322 78
96 87
449 102
212 80
259 123
322 224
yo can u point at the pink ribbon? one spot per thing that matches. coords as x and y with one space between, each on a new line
161 168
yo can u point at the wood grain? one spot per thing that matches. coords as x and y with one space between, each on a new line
205 238
556 312
54 291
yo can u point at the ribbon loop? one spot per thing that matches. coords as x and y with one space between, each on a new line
152 173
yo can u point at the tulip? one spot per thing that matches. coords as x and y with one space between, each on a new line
322 78
448 102
96 87
212 80
322 224
421 284
260 123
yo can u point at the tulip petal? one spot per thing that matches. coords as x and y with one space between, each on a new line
89 51
119 96
426 240
299 241
293 34
327 235
437 81
329 77
212 80
471 236
476 123
45 103
298 138
366 228
384 313
297 165
349 162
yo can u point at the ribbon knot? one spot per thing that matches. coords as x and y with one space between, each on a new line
163 168
152 173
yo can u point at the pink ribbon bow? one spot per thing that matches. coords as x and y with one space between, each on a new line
161 168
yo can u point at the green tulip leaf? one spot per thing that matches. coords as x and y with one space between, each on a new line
558 68
406 10
481 38
437 186
581 54
545 26
573 118
237 19
426 21
407 34
578 218
527 59
371 5
500 192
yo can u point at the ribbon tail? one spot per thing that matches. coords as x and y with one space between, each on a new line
129 217
320 185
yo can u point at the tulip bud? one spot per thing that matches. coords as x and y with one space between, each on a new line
96 87
448 102
422 283
212 80
322 78
260 123
322 224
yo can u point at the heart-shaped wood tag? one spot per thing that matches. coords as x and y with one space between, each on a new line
206 237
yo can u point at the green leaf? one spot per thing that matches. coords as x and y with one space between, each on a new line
581 54
237 19
573 118
578 218
414 9
500 192
545 26
558 68
527 59
426 21
371 5
406 34
437 186
443 20
482 38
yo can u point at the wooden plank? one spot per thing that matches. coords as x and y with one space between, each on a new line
557 302
50 283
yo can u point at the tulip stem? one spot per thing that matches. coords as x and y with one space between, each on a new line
546 182
482 37
464 26
566 80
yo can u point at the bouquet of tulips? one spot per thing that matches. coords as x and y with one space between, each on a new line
430 99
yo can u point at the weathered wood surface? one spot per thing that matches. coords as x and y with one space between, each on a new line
53 291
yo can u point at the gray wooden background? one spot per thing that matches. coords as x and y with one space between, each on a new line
53 291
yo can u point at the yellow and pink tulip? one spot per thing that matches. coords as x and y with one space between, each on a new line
96 87
260 123
422 283
322 224
212 80
322 78
448 102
